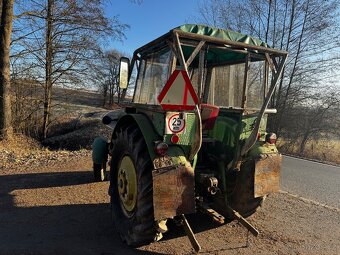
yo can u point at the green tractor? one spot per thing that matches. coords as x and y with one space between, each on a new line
193 135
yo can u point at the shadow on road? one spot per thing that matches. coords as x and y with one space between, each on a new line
60 229
83 228
10 183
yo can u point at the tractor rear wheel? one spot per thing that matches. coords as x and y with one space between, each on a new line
239 193
241 196
131 188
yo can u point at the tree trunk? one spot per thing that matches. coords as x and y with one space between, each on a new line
268 20
105 88
278 117
303 143
0 8
6 129
292 75
48 68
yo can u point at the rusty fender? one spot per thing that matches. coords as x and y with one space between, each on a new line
267 174
173 187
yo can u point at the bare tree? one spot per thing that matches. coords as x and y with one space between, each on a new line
105 72
5 82
61 41
48 66
307 29
317 118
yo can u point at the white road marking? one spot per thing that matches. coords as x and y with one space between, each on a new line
312 161
310 201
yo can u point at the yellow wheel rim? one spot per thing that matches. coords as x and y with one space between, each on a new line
127 184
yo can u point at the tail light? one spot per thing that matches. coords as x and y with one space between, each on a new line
161 148
174 139
271 138
258 136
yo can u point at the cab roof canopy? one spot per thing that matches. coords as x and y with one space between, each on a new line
224 45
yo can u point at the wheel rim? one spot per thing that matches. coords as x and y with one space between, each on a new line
127 184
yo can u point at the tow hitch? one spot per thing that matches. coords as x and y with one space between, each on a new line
182 221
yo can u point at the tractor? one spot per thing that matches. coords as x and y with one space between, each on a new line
191 134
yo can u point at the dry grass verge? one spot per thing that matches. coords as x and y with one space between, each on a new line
20 144
71 137
21 150
322 150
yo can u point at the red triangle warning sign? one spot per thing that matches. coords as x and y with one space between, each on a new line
178 93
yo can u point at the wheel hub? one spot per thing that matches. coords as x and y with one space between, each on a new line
127 184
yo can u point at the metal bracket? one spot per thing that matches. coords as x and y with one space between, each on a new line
244 222
204 208
181 220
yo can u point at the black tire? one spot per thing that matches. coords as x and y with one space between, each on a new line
137 226
240 193
99 172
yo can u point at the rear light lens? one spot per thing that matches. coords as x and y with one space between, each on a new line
259 136
161 148
174 139
271 138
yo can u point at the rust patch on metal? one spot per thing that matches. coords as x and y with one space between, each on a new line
267 175
173 191
162 162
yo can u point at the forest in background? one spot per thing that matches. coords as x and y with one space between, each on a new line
58 44
65 44
308 94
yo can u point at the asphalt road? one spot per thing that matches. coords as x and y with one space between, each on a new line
311 180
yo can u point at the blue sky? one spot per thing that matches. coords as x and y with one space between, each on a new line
150 19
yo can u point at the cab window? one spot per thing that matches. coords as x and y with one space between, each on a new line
153 74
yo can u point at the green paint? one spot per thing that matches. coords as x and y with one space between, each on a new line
152 126
147 129
194 162
248 122
99 150
158 120
186 139
230 131
262 148
216 55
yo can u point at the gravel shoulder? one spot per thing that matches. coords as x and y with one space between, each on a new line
56 208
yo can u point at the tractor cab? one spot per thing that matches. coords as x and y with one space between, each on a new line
233 75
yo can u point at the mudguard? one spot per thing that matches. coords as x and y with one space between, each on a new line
267 174
99 150
148 132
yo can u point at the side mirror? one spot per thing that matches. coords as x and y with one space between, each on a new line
124 72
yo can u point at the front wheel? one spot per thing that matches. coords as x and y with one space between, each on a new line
131 188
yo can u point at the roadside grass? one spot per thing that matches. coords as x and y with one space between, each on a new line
322 149
18 146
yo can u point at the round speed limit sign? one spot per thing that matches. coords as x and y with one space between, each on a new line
176 124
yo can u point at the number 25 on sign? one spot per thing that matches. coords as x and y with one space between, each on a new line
175 123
